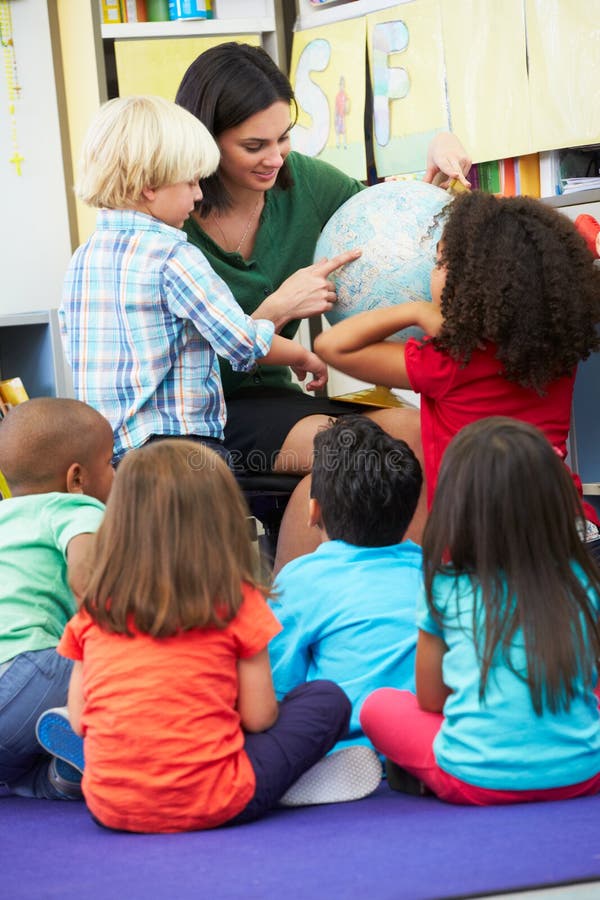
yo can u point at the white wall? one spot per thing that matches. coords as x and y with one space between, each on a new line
34 228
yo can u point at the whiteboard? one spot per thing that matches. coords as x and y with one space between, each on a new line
35 245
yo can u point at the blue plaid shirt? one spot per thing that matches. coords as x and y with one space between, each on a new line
143 318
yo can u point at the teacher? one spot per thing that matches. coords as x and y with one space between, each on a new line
258 224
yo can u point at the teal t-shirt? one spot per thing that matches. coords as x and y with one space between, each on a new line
36 601
290 225
500 742
348 615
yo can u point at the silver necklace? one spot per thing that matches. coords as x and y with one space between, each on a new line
246 230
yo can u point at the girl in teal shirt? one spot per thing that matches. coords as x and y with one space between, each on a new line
509 633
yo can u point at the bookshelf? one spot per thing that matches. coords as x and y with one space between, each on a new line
232 17
30 348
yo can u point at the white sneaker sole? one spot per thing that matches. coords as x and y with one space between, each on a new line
348 774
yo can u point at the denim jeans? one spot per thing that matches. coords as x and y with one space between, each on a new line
32 683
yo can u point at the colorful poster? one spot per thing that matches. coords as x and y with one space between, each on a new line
157 67
486 71
564 72
328 74
407 74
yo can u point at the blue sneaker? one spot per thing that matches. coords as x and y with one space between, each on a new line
53 731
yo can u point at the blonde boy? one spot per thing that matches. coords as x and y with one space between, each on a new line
143 315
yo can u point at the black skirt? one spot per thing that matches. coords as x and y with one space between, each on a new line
259 421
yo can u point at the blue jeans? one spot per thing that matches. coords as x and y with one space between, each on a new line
32 683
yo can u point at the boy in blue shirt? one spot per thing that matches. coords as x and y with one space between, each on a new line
348 609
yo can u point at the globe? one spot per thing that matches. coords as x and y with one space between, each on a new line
397 224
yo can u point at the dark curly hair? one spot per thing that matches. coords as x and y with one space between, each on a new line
520 276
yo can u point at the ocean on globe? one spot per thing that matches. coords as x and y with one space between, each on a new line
397 224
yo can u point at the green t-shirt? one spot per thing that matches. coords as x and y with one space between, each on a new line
290 225
36 601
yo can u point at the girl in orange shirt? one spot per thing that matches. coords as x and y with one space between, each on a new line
171 687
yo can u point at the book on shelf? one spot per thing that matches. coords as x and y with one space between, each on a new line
134 11
527 171
508 177
4 489
489 176
569 185
111 12
570 169
12 392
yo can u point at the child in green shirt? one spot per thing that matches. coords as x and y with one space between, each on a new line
56 457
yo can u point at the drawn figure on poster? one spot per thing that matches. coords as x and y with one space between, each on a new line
342 109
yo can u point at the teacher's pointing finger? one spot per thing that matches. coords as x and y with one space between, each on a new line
326 266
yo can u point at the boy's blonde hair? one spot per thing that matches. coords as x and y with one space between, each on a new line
142 142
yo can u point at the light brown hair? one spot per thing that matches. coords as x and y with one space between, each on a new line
174 546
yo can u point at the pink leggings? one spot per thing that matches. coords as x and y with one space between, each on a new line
402 731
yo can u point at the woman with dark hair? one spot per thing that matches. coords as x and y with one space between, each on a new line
258 224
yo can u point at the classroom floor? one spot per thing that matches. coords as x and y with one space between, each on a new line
386 847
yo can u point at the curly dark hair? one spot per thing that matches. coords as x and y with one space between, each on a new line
520 276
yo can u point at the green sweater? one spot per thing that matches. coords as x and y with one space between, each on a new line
290 225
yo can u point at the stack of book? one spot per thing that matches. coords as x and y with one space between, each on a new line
509 177
116 11
12 392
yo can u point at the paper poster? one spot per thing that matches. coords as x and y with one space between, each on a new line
407 74
486 71
157 67
564 72
328 74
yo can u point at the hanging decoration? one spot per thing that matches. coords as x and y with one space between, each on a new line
11 76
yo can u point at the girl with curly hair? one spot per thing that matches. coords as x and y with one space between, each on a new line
515 305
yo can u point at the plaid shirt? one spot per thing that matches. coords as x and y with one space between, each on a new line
142 318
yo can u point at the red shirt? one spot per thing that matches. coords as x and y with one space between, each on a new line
452 397
163 740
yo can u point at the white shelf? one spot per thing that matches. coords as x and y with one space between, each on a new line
28 318
311 16
191 28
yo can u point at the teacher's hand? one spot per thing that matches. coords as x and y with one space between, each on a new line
308 292
447 157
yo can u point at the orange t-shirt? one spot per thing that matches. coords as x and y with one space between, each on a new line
163 740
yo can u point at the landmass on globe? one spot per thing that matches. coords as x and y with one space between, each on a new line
397 225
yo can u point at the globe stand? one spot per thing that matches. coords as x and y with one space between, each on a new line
379 397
